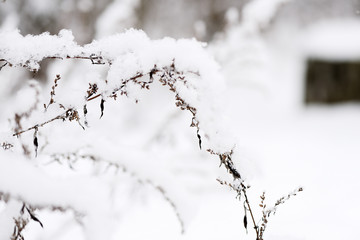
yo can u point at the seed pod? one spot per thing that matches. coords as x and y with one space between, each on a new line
245 222
35 141
102 107
199 137
33 217
85 110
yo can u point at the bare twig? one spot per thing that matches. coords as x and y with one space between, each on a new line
95 59
240 188
93 89
52 93
73 157
1 67
61 116
22 220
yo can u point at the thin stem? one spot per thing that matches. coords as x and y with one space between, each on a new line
92 98
61 116
3 65
229 165
251 213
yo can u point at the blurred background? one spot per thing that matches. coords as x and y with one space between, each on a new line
292 70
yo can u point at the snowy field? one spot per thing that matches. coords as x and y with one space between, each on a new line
139 172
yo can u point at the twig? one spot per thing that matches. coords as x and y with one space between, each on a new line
99 60
251 213
61 116
52 93
3 65
226 160
92 98
75 156
113 94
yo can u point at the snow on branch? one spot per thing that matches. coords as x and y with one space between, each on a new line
182 65
134 63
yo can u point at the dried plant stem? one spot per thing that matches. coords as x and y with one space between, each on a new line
76 156
61 116
6 63
99 60
21 221
251 213
92 98
113 94
225 159
167 76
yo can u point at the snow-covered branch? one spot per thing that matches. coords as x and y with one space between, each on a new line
135 60
134 63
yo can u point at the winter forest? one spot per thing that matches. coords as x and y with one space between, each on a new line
179 119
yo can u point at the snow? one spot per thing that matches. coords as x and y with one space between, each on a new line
129 54
252 104
284 144
316 149
30 50
336 39
6 218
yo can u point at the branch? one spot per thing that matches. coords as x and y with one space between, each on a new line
1 67
266 212
240 188
75 156
167 75
61 116
96 60
21 221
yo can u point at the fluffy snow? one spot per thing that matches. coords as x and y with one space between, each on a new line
279 144
336 39
128 54
30 50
